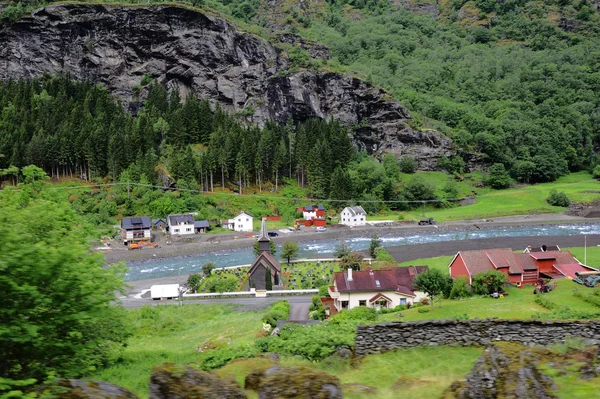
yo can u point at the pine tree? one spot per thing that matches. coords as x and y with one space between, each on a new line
268 280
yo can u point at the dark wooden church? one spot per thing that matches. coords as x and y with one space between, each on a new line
263 262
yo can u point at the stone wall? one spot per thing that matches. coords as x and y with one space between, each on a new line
378 338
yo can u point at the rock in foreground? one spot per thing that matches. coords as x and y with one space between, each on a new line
294 382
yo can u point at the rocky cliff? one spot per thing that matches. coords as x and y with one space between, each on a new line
193 51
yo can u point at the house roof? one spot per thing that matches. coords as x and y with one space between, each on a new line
267 260
355 210
186 218
543 248
526 261
140 222
156 221
309 208
378 296
320 207
243 213
570 269
563 257
397 279
201 224
489 259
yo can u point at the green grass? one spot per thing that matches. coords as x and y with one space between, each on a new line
171 334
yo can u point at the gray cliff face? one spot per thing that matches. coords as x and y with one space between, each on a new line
191 51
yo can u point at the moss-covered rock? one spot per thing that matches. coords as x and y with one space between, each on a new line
172 381
298 383
78 389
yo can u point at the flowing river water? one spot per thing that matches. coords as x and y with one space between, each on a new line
324 248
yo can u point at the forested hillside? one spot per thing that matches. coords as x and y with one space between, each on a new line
514 82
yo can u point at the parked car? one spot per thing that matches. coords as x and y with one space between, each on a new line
321 228
273 234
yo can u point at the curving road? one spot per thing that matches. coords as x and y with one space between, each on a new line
298 304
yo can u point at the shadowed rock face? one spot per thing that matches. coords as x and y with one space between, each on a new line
191 51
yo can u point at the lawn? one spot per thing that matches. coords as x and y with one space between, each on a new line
417 373
173 334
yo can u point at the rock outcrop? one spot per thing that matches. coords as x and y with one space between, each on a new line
293 382
79 389
506 371
172 381
193 51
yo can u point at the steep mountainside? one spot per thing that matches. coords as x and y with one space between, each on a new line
118 45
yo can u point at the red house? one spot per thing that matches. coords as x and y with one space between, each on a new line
521 269
312 211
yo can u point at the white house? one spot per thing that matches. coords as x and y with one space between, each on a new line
353 216
242 222
385 288
310 212
136 229
181 224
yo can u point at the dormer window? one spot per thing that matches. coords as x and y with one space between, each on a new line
377 283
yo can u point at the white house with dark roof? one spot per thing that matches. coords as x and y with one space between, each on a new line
242 222
181 224
353 216
136 229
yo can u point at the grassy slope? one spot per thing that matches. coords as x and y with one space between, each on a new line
171 333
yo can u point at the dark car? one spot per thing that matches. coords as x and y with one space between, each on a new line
273 234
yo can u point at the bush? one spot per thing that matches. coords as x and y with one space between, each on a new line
498 177
351 261
360 313
221 356
460 288
279 311
486 283
558 198
382 255
545 302
193 281
423 310
408 165
596 172
316 309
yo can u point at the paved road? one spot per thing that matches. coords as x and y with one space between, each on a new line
302 301
419 251
299 311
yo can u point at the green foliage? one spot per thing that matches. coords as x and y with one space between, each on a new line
408 164
433 282
279 311
219 357
498 177
418 189
558 198
268 280
358 314
289 250
351 261
316 309
374 245
486 283
460 288
596 172
382 255
13 12
207 268
341 249
545 302
54 319
193 281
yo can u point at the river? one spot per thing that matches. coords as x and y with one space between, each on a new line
324 248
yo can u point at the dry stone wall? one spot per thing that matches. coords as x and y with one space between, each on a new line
378 338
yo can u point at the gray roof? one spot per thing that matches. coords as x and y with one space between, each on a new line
156 221
141 222
199 224
181 219
356 210
264 235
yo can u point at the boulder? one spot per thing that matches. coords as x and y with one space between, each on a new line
78 389
294 382
172 381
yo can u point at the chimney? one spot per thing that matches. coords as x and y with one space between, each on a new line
349 274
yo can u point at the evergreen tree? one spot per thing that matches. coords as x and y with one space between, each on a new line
268 280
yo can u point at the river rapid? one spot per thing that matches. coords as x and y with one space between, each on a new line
315 249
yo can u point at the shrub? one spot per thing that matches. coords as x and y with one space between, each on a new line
460 288
360 313
351 261
596 172
486 283
279 311
498 177
558 198
423 310
221 356
382 255
193 281
408 164
207 268
545 302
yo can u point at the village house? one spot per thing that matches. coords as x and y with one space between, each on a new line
201 226
353 216
159 225
136 229
521 269
242 222
385 288
181 224
312 211
263 262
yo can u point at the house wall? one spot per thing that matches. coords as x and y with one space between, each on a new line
181 229
354 298
320 222
309 215
243 223
320 214
545 266
348 219
127 235
458 268
259 277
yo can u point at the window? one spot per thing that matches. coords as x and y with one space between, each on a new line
361 219
377 283
402 301
362 303
355 219
188 229
518 283
176 231
246 219
344 304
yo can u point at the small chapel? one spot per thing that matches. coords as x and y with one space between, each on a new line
265 261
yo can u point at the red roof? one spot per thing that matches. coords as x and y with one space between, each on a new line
526 261
398 279
569 269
